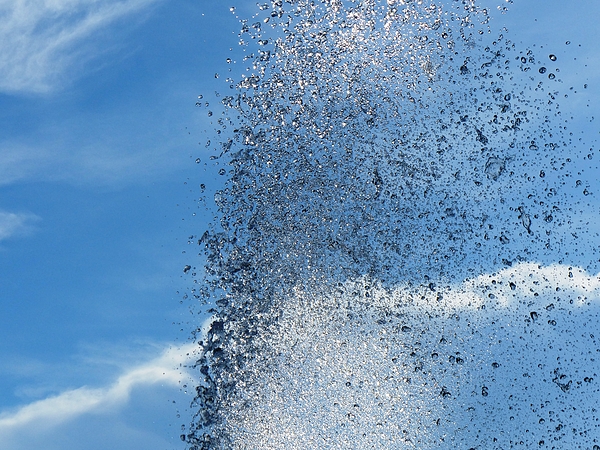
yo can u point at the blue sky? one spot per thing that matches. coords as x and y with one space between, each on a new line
99 134
98 189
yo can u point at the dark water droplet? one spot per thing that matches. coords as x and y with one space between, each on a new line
552 57
542 70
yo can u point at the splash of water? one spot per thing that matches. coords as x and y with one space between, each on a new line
383 156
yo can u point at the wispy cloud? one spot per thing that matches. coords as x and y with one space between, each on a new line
15 223
167 370
41 39
123 145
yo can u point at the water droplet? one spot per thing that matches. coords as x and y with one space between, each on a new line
361 155
552 57
494 167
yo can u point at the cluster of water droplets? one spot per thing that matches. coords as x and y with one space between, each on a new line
383 155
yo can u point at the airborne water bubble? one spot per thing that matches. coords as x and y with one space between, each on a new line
494 167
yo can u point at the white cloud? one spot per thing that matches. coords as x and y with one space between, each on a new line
167 370
41 39
14 223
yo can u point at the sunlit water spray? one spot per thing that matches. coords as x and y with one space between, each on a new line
392 259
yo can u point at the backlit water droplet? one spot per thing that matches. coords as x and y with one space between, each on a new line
398 209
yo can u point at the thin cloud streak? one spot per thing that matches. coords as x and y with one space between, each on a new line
15 223
167 370
41 39
96 149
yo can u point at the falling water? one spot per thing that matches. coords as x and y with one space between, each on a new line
404 256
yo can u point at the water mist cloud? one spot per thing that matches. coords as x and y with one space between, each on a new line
504 355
